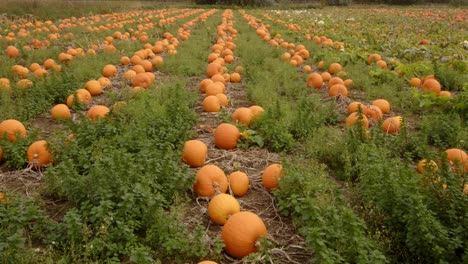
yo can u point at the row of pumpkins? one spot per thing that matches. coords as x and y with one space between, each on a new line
241 229
38 153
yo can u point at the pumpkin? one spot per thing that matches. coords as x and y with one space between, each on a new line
374 112
392 125
221 207
226 136
143 80
214 68
3 197
11 128
256 111
218 78
109 70
307 69
415 82
335 80
373 57
445 94
207 262
326 76
5 84
211 103
241 232
210 179
124 60
38 153
24 83
354 107
335 68
431 165
271 176
383 104
12 51
223 99
242 115
203 84
459 156
382 64
315 80
348 83
60 111
239 69
355 118
194 153
235 77
83 96
338 89
1 154
239 183
97 112
431 85
214 88
104 81
94 87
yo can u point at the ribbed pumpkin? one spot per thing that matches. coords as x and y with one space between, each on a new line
458 155
354 118
241 232
271 176
242 115
315 80
226 136
94 87
60 111
83 96
221 207
38 153
11 128
194 153
392 125
383 104
98 112
239 183
210 179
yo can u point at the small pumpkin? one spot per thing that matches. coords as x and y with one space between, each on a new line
38 153
354 107
210 179
194 153
223 99
431 165
357 118
315 80
271 176
383 104
221 207
239 183
211 103
241 232
203 84
83 96
97 112
226 136
94 87
392 125
109 70
12 128
338 89
242 115
60 111
431 85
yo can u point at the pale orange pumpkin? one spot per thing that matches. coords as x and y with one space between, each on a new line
203 84
83 96
354 107
223 99
194 153
12 128
109 70
257 111
241 232
211 103
207 262
38 153
60 111
271 176
373 112
239 183
97 112
235 77
383 104
94 87
210 180
221 207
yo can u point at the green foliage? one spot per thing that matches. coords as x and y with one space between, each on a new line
332 231
338 2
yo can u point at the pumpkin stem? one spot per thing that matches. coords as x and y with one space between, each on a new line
35 155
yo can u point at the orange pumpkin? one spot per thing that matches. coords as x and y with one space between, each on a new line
214 68
12 51
431 85
221 207
335 68
60 111
83 96
235 77
383 104
203 84
392 125
94 87
38 153
431 165
315 80
194 153
241 232
211 103
207 262
98 112
239 183
223 99
11 128
415 82
256 111
210 179
214 89
109 70
271 176
459 156
374 112
226 136
354 107
242 115
338 89
355 118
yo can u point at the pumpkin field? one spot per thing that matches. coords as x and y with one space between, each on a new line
221 134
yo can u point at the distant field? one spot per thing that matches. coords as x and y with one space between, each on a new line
164 132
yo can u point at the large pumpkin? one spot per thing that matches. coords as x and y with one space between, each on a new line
194 153
356 118
241 232
392 125
458 156
210 179
221 207
11 128
242 115
226 136
60 111
271 176
38 153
